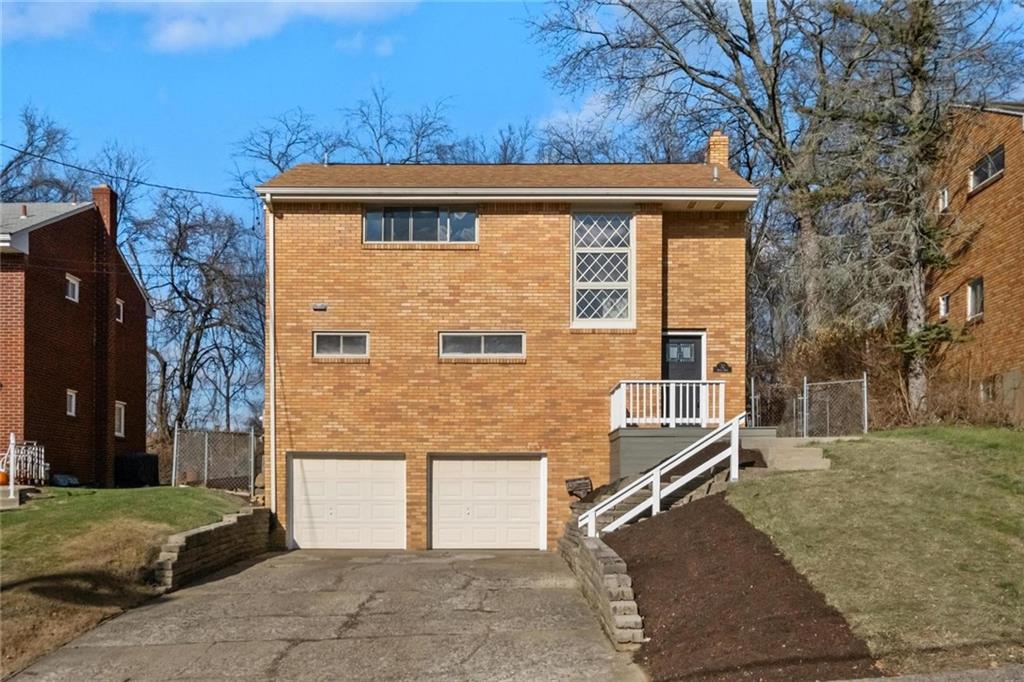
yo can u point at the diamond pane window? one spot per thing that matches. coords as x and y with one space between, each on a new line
602 262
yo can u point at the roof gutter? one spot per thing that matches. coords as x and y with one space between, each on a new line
994 110
746 194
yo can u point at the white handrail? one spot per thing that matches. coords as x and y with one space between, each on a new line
653 478
667 403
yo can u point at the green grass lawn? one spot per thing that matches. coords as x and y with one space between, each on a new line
68 562
916 535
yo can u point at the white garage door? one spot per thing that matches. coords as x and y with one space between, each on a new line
348 502
486 503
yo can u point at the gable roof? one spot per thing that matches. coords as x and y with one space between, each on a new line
663 182
15 228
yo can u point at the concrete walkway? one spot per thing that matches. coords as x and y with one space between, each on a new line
333 615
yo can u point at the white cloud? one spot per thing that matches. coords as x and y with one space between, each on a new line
380 45
186 26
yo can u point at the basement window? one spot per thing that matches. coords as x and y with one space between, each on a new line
419 224
482 344
341 344
71 403
72 287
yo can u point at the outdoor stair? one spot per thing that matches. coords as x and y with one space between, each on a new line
788 454
22 494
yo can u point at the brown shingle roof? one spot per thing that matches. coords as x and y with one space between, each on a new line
518 176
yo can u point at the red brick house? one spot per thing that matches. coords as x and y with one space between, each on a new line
449 344
72 336
981 199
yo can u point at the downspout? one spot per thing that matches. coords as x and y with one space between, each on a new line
271 347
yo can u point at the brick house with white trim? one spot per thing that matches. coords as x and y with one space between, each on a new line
449 344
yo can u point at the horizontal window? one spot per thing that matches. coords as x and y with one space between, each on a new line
991 165
341 344
472 344
419 225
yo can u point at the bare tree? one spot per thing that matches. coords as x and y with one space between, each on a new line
33 171
126 171
279 144
375 133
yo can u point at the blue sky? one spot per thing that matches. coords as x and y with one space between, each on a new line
182 82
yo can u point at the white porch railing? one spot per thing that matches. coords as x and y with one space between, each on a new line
25 464
667 403
653 479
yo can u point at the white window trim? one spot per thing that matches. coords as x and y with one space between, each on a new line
439 207
943 199
481 354
119 407
944 306
118 310
970 298
576 323
971 186
69 278
73 395
342 354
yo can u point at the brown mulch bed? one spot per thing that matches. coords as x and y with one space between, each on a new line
720 602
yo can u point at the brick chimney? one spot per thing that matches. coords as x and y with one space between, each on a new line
106 201
718 149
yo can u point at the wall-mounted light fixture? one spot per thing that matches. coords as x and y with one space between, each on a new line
319 307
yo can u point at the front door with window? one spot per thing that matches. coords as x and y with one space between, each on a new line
683 360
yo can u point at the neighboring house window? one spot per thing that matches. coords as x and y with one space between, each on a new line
988 389
341 344
419 225
944 305
975 298
990 166
72 286
119 419
602 246
119 310
943 200
476 344
71 403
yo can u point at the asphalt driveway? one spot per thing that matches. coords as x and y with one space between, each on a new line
336 615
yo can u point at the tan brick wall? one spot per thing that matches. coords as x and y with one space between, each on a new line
987 244
517 278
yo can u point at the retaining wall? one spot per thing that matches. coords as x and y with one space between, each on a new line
195 553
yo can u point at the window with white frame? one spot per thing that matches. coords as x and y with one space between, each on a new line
602 262
419 224
72 287
943 200
341 344
71 403
119 419
990 166
944 305
119 310
482 344
975 298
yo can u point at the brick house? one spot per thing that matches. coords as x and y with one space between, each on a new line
72 336
449 344
982 199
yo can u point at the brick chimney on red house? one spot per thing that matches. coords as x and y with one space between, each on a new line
105 347
106 201
718 149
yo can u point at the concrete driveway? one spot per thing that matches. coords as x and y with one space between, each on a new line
336 615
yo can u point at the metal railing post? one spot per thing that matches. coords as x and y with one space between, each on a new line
805 407
865 402
206 459
174 458
252 461
656 491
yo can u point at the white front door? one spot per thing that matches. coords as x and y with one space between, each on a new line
347 502
487 502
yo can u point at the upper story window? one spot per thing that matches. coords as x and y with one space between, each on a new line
341 344
72 287
602 252
943 200
119 310
975 298
490 344
71 402
119 408
417 224
944 306
989 167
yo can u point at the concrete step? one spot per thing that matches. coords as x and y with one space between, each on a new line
8 502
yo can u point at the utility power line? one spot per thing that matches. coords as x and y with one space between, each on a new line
155 185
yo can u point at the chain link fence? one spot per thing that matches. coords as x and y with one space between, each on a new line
813 410
226 460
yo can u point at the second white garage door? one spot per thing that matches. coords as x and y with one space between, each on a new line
348 502
486 502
